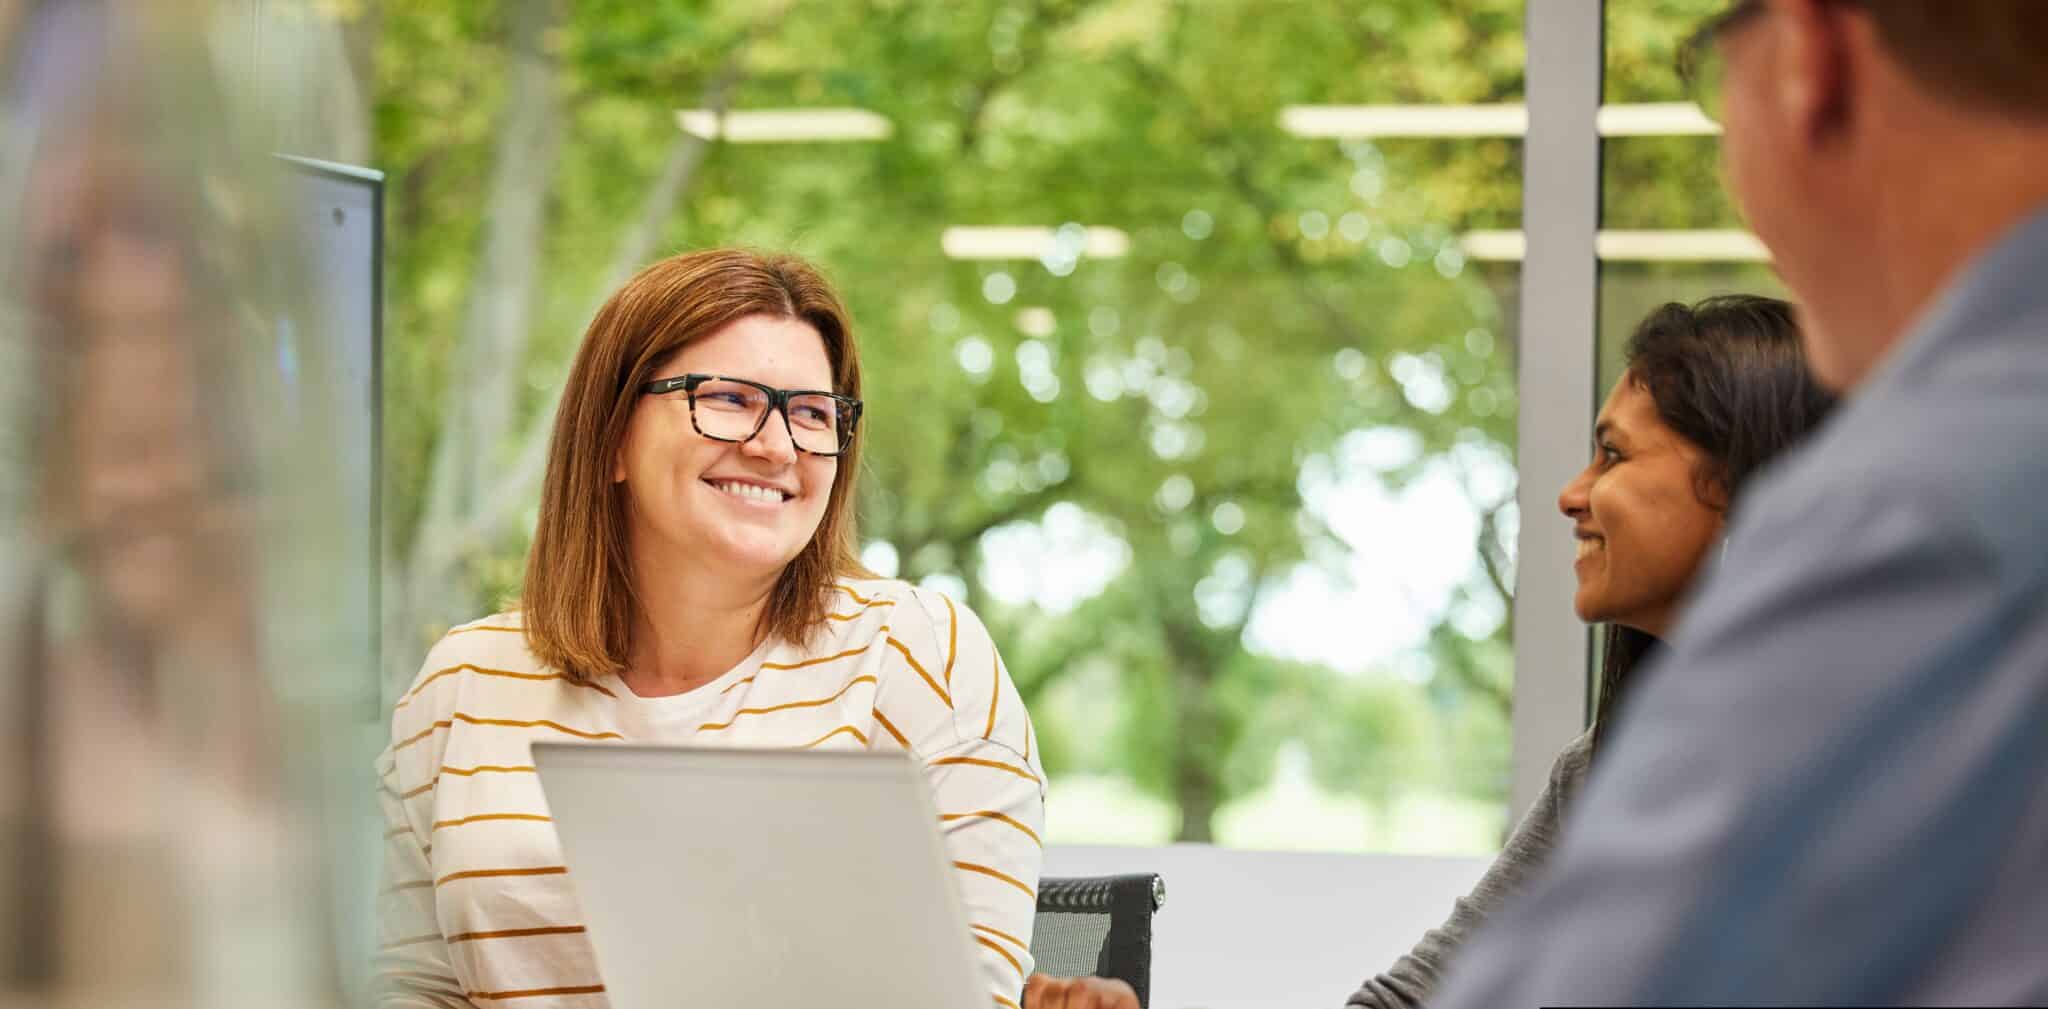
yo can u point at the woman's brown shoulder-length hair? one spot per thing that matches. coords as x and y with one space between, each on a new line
578 596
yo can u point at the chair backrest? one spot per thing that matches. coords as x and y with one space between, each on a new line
1098 926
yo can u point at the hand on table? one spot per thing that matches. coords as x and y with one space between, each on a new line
1046 992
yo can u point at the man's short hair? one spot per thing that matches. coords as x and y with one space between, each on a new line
1987 53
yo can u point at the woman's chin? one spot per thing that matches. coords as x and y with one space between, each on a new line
1589 609
753 559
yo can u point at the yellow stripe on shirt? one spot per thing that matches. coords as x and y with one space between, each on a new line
1005 954
995 873
485 671
844 729
483 817
820 702
934 684
537 723
952 639
545 870
995 693
468 772
489 769
496 996
997 764
856 596
517 933
991 814
1000 934
883 721
807 662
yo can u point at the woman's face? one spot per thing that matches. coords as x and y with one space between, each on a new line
1636 511
748 508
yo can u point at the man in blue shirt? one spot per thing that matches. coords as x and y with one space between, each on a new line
1835 788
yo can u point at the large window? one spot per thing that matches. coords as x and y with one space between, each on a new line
1682 238
1190 383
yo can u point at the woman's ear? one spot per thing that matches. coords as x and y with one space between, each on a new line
1710 491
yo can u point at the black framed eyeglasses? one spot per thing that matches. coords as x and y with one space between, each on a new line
1700 60
735 410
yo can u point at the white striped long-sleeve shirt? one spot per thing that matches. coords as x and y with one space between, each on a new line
475 905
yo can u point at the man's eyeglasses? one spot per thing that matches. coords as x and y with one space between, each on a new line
1700 65
735 410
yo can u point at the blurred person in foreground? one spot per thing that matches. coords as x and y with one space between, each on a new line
692 580
1711 394
166 857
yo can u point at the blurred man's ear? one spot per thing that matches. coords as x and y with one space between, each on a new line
1817 46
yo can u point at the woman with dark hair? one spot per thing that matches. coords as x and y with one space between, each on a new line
1726 386
1712 393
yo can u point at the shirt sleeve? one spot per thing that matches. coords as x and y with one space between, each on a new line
1805 800
1409 982
955 708
411 966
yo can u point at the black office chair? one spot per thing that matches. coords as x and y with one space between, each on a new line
1098 926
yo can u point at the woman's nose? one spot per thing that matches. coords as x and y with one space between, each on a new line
1572 500
772 442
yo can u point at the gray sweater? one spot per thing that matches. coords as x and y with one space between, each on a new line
1410 980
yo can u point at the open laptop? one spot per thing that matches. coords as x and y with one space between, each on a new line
760 879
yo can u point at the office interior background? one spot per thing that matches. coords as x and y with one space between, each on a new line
1226 356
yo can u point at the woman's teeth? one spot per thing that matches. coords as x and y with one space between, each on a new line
752 492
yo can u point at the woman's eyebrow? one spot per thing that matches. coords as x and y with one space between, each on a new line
1613 432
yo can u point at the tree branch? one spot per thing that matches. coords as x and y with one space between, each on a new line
964 537
496 510
678 171
1490 557
1454 658
499 317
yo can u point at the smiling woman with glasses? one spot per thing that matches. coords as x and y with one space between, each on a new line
693 580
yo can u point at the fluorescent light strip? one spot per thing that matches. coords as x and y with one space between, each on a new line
1655 119
1339 122
1729 246
1345 122
785 126
1028 243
